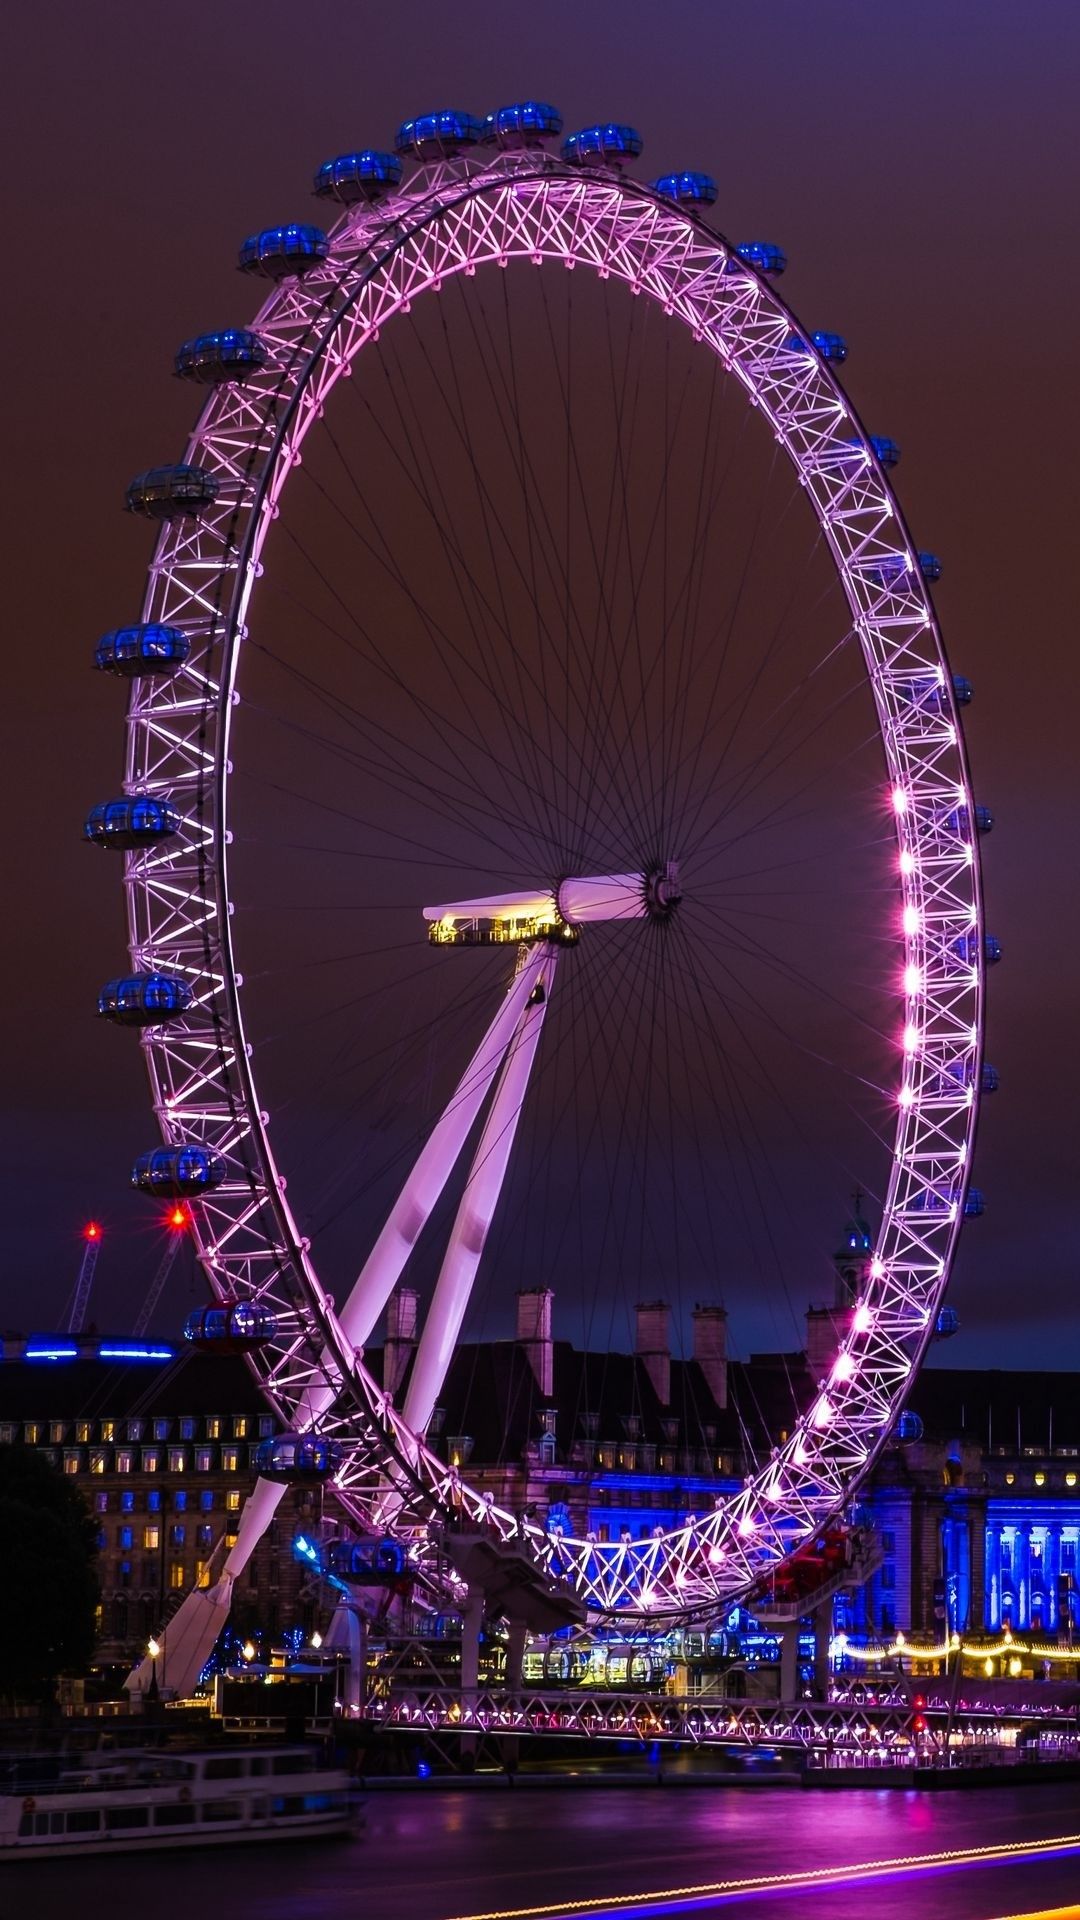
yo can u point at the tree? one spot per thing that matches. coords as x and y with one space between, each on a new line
48 1591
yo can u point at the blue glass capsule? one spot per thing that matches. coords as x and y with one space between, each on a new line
214 359
958 821
827 346
372 1564
967 949
947 1323
139 820
762 255
277 252
963 690
178 1173
929 566
438 136
989 1078
909 1427
170 493
885 451
524 125
297 1456
357 176
689 189
230 1326
975 1204
129 651
144 999
607 144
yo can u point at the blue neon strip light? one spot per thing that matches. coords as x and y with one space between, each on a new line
52 1351
135 1353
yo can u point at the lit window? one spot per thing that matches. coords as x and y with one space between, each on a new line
101 1503
204 1535
97 1460
153 1500
177 1535
161 1429
151 1459
240 1427
108 1429
31 1433
71 1461
176 1576
177 1459
127 1501
201 1572
151 1537
266 1425
179 1501
232 1500
1010 1479
206 1501
124 1539
1040 1479
187 1428
124 1459
135 1429
230 1459
213 1426
57 1431
204 1459
1070 1479
83 1432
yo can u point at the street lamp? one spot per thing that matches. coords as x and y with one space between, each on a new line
153 1648
248 1649
316 1640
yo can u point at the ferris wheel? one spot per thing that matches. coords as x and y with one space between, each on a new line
534 743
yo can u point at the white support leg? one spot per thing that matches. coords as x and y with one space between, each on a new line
188 1640
383 1267
476 1210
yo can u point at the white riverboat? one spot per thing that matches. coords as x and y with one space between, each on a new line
139 1801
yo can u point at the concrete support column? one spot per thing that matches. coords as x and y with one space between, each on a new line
789 1661
1023 1578
515 1653
1051 1569
823 1618
471 1627
993 1575
977 1615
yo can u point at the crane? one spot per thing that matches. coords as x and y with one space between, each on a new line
91 1249
177 1222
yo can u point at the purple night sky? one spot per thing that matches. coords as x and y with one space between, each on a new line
918 166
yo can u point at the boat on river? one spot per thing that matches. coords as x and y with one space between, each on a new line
138 1802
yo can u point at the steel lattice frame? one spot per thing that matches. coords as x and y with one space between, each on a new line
452 218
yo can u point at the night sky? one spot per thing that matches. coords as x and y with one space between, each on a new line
918 165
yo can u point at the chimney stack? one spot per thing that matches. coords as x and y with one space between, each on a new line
401 1311
534 1334
710 1347
826 1330
653 1345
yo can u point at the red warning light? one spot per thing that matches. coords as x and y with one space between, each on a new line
178 1217
91 1231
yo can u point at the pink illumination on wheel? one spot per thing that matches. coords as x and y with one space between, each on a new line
468 216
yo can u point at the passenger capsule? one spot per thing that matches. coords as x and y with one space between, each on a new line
290 1457
962 1074
688 189
959 821
975 1204
909 1427
372 1563
277 252
762 255
178 1173
828 346
946 1199
929 566
967 946
138 821
215 359
172 493
885 451
130 651
438 136
947 1323
962 690
357 176
144 999
608 144
526 125
230 1326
